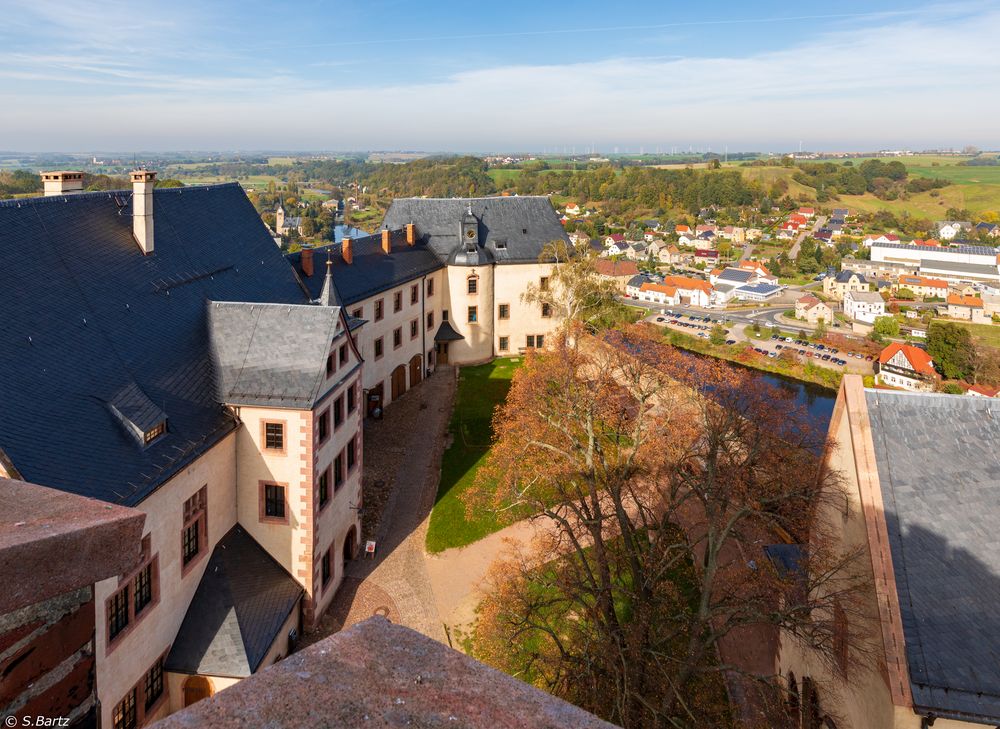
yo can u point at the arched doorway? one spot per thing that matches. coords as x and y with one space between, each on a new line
197 688
350 544
416 368
398 381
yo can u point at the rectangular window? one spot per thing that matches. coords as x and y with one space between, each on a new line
324 488
357 313
338 471
123 716
323 426
343 354
338 412
473 285
444 315
351 455
397 337
142 588
546 311
397 301
530 341
539 340
326 571
378 348
503 311
414 329
543 283
430 287
430 319
331 365
351 399
504 344
118 612
195 531
274 436
153 684
473 314
414 294
379 310
274 501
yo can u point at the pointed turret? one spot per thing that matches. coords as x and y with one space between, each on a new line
328 296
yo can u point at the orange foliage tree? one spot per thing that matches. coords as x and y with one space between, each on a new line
659 477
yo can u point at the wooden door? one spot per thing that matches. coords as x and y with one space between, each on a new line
196 688
416 368
398 382
442 352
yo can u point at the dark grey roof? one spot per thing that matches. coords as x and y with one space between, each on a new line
372 270
845 276
759 288
446 333
739 275
270 354
637 281
939 470
512 229
242 601
87 321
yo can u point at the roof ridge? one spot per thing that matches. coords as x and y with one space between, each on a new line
40 199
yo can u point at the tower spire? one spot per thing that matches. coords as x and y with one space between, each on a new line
328 296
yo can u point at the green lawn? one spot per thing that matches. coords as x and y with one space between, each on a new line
480 390
988 334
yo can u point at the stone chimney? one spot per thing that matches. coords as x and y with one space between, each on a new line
411 234
143 182
347 250
62 182
387 241
307 261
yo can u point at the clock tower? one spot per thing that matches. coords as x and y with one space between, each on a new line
470 230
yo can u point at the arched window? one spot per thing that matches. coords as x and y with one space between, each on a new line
793 697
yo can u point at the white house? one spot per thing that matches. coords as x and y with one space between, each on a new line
949 229
907 367
659 294
864 306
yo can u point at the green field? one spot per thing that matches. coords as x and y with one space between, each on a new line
988 334
480 390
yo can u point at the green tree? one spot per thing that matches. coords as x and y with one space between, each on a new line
717 335
951 348
885 326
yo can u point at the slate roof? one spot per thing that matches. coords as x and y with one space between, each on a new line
845 276
371 270
88 321
939 470
272 355
241 603
446 333
524 224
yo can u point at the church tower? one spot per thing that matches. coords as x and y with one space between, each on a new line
279 219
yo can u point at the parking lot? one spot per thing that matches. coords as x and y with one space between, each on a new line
802 349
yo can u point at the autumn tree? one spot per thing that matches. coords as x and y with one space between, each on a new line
657 477
574 290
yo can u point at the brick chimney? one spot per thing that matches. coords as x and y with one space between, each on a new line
387 241
143 182
411 234
62 182
307 261
347 250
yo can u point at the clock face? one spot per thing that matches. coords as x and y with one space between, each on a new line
470 233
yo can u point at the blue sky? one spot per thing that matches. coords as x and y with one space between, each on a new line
124 75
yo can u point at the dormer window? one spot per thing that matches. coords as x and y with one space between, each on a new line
155 432
501 245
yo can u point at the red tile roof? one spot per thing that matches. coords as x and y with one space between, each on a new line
616 268
683 282
919 360
985 391
961 300
668 290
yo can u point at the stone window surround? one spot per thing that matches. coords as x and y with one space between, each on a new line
261 490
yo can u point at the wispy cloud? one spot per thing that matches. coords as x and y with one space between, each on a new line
924 77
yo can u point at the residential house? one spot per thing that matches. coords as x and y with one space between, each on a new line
682 229
615 245
836 286
920 478
633 286
970 308
705 228
807 212
841 213
991 304
990 229
668 253
949 229
759 270
707 255
812 310
661 294
687 239
907 367
578 236
863 306
983 391
925 288
705 241
693 291
636 251
572 209
619 271
872 238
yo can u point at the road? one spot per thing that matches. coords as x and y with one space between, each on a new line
793 253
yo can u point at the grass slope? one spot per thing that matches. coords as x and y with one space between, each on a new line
480 390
